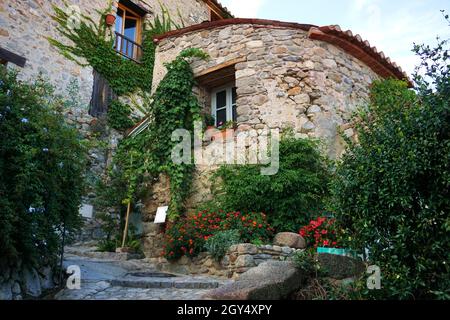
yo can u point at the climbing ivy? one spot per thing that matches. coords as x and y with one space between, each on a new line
119 116
142 158
92 44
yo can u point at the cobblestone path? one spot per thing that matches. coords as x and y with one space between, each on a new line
103 279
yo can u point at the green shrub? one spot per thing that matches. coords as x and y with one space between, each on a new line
119 116
219 243
291 197
391 194
42 162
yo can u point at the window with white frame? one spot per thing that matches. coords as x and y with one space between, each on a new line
224 104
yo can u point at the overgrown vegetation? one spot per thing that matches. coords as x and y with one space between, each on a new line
292 197
392 189
42 162
119 116
142 158
92 43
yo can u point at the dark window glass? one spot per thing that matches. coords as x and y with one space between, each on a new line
221 99
234 113
130 29
221 117
234 96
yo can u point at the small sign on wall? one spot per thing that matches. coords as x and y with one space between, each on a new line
87 211
161 215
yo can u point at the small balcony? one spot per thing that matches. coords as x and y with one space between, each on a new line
128 48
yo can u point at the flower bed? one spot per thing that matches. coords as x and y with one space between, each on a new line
187 236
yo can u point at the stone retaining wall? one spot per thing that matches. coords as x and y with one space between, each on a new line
18 282
239 259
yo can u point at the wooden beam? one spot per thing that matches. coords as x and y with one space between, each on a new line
12 57
220 66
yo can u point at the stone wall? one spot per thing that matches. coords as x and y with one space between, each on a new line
239 259
25 25
19 282
286 80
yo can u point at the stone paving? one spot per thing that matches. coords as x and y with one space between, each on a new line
109 279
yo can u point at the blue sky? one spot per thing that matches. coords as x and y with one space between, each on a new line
390 25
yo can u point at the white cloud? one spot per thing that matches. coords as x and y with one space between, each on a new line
243 8
395 31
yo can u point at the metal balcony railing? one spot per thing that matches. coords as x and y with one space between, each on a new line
128 48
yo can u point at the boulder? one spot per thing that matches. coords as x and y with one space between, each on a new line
32 283
47 279
272 280
341 267
290 239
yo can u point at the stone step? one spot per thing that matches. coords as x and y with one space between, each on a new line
169 282
91 252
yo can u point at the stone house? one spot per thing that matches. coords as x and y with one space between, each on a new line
261 74
266 74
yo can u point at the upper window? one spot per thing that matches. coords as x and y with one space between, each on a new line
224 105
128 33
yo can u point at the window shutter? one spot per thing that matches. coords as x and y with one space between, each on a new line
102 95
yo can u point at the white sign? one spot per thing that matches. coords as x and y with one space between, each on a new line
87 211
161 214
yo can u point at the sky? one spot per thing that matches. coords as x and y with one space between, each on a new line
393 26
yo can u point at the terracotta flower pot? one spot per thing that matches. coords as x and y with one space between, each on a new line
110 19
223 135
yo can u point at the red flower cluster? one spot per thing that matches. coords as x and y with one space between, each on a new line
320 233
188 235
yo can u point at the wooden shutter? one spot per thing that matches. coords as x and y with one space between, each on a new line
102 95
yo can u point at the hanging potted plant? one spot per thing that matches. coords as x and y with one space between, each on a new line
110 19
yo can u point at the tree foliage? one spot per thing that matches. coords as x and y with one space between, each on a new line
391 194
42 162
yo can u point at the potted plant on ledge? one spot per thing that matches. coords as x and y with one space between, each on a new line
226 130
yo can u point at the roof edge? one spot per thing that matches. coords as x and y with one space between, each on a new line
233 21
352 44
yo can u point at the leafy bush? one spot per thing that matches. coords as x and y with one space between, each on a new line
392 190
320 233
299 187
219 243
119 116
188 235
42 162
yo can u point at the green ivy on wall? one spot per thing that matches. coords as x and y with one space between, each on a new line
92 44
119 116
142 158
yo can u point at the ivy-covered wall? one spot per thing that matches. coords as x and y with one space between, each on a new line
24 26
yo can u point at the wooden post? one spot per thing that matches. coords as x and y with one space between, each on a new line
125 231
